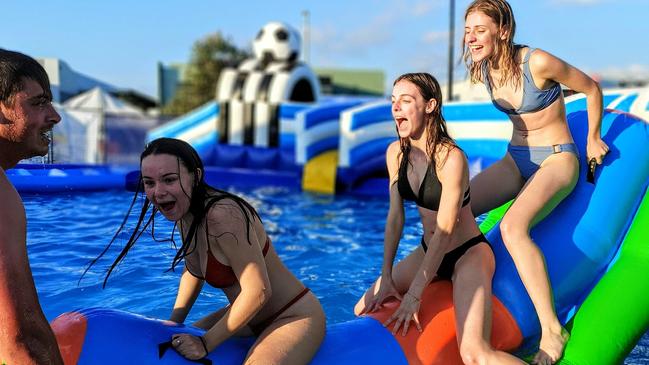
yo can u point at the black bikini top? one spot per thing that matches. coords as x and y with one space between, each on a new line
430 190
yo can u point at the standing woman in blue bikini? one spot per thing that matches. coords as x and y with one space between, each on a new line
541 165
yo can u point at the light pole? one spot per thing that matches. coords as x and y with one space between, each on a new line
305 36
451 40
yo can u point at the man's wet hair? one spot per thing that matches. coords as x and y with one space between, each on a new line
15 68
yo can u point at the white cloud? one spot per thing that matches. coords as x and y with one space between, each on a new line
422 8
426 64
435 37
634 72
329 39
375 31
324 35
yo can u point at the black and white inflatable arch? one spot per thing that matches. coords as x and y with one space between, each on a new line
249 96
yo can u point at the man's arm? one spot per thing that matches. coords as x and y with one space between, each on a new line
25 335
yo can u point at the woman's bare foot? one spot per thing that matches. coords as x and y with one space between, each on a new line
551 347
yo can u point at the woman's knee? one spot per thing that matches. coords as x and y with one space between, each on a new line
473 354
358 308
365 299
513 230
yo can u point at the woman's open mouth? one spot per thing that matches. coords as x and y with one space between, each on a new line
166 206
400 121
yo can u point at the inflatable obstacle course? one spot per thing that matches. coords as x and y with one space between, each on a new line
62 178
596 238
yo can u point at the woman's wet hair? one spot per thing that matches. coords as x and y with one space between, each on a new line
505 49
202 198
437 131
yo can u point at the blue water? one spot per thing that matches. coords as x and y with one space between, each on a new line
333 244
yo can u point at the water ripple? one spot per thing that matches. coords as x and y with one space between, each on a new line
333 244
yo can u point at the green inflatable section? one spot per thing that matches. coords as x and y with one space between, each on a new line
614 316
494 216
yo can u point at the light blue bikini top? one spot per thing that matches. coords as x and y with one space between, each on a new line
534 99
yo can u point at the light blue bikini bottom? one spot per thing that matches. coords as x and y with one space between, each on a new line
529 158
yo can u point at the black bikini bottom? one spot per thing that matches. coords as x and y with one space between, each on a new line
447 266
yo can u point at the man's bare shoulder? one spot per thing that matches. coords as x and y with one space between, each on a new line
12 216
8 191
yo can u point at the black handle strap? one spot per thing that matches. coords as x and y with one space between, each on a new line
590 174
163 347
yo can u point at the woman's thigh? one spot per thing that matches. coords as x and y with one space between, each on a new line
402 275
405 270
293 338
495 186
472 295
553 181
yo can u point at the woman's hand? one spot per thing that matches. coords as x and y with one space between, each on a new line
190 347
597 149
387 289
407 311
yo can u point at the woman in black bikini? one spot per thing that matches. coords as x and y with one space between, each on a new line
427 161
225 244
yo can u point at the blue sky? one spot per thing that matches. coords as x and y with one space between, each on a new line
120 41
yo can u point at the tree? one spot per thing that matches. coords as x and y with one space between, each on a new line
210 55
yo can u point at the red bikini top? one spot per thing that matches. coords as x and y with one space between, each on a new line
222 276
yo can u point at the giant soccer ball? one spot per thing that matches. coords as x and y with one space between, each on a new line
277 42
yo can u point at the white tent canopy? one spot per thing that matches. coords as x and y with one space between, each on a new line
114 130
96 127
75 137
96 99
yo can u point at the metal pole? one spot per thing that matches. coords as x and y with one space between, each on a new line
101 135
451 40
305 37
50 153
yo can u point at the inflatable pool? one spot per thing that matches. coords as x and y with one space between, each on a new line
339 142
595 247
59 178
241 166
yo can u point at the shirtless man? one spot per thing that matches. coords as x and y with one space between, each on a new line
26 118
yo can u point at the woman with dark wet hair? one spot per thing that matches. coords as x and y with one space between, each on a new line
224 243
